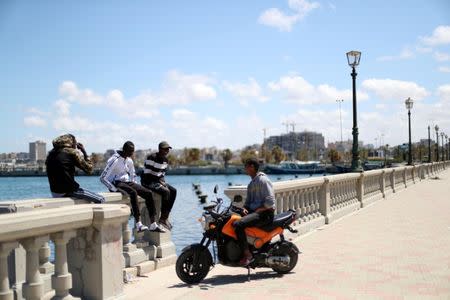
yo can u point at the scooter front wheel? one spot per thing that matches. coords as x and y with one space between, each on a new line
189 271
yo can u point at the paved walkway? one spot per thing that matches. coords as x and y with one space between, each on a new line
397 248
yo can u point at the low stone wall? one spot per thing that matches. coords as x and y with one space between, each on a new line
147 252
321 200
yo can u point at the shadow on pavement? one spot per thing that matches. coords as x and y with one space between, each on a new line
220 280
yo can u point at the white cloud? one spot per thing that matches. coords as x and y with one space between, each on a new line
36 111
179 88
62 107
69 91
443 92
389 89
444 69
275 18
297 90
246 92
34 121
406 53
439 56
440 36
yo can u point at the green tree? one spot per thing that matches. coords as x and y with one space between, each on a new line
302 155
334 155
278 154
248 153
227 155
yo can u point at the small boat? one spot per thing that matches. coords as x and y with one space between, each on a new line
295 167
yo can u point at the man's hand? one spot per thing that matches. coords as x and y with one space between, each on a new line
244 211
81 148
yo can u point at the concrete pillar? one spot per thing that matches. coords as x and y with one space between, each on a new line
62 279
131 253
16 270
404 176
45 266
5 248
33 288
95 255
325 201
360 189
382 183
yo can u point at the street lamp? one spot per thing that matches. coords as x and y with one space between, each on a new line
429 145
353 58
442 141
437 142
409 104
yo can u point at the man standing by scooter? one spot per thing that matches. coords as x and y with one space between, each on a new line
259 206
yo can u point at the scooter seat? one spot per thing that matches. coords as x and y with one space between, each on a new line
279 220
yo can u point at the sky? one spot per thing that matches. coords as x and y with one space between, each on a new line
219 73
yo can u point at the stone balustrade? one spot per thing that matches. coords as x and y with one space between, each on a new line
145 253
321 200
88 259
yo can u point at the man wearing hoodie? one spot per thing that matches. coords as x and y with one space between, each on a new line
61 162
120 176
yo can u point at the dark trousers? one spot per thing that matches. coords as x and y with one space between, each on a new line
256 219
133 190
168 194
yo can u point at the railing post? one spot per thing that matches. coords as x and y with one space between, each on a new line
392 178
382 184
360 188
62 279
5 248
33 288
404 176
325 199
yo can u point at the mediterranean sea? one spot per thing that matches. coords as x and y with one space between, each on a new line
185 213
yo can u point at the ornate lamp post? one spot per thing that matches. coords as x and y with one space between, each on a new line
353 58
437 142
429 145
442 142
409 104
448 148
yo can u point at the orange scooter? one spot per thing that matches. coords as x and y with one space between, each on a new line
195 260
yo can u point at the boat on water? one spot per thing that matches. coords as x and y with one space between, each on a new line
295 167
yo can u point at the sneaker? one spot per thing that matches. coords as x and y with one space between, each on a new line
166 224
141 227
156 228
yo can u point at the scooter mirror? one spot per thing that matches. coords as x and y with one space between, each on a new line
237 199
216 189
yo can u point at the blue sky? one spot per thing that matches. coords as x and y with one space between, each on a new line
214 73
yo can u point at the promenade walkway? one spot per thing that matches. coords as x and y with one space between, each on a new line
397 248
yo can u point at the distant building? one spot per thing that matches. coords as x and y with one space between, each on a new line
38 151
293 142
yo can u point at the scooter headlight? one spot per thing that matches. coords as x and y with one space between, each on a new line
202 221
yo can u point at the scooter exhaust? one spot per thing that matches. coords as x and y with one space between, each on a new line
275 261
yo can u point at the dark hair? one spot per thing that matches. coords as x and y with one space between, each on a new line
128 146
252 162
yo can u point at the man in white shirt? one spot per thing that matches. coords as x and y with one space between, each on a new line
119 175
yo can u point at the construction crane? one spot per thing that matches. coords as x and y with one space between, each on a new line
287 125
293 124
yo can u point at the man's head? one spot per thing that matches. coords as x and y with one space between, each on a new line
128 149
251 166
164 148
65 141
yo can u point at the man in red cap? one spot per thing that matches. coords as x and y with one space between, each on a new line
153 178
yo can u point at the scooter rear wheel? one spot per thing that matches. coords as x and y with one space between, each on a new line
287 248
185 266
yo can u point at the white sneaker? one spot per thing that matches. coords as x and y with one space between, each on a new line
156 228
141 227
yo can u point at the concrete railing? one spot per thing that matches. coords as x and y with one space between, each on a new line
147 252
88 261
321 200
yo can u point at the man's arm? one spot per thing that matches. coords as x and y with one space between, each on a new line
107 172
267 194
82 161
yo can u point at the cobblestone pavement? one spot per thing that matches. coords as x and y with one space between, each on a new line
397 248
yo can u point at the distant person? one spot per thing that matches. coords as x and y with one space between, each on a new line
61 162
119 175
259 206
154 178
